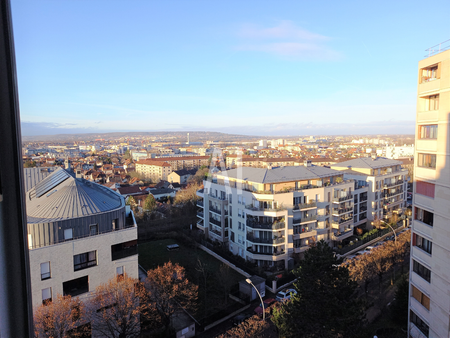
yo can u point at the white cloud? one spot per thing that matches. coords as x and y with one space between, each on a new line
287 40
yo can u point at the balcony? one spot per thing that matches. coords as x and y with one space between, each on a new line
339 236
388 185
214 221
301 249
253 208
254 224
341 211
200 192
390 194
216 234
200 214
271 241
255 252
201 225
215 210
220 198
307 219
342 198
304 206
200 203
339 223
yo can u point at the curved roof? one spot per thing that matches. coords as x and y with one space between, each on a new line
61 196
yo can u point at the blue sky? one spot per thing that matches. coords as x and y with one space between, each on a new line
249 67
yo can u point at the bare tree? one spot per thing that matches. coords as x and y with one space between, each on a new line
252 327
115 309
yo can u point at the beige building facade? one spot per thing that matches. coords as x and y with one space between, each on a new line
429 302
155 170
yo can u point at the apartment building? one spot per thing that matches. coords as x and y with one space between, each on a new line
80 234
258 162
271 216
429 302
386 183
184 162
154 169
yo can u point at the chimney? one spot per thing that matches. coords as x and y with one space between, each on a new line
79 175
374 156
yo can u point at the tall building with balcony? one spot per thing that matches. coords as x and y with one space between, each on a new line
385 181
80 234
429 302
271 216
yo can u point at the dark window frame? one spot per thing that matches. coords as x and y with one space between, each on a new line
86 260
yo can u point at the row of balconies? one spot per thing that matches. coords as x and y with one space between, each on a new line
342 198
310 218
388 185
255 224
303 206
342 210
390 194
271 241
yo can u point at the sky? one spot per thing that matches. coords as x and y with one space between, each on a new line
246 67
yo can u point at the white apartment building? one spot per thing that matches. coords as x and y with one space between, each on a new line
395 152
271 216
386 184
429 302
80 235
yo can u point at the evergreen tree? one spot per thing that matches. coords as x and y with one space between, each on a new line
326 304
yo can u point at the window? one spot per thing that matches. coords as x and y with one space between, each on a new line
84 260
433 102
420 297
426 161
46 296
419 323
425 188
430 73
423 216
239 199
119 271
93 229
76 286
123 250
421 271
232 238
428 131
239 226
45 271
115 223
68 234
422 243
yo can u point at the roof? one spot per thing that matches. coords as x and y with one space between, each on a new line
281 174
184 172
154 162
161 191
368 163
61 196
132 189
182 158
32 176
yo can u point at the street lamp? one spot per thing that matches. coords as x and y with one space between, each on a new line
262 303
395 235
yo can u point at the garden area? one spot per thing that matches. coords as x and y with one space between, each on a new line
214 278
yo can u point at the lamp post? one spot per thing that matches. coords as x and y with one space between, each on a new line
390 226
262 303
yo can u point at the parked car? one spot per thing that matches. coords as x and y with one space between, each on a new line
285 294
267 303
237 320
369 248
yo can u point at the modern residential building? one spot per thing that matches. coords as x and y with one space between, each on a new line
429 302
271 216
153 169
386 182
80 234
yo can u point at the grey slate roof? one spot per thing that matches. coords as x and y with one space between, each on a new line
32 176
281 174
70 199
368 163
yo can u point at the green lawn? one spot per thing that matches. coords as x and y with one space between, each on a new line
154 253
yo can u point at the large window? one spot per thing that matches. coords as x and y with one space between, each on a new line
420 297
419 323
422 243
428 131
45 270
426 161
122 250
422 271
423 216
425 188
76 287
84 260
433 102
46 296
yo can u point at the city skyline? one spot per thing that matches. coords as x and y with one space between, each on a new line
252 69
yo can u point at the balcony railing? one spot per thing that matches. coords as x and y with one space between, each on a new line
305 219
303 206
261 225
253 208
278 253
341 211
253 239
390 194
200 203
398 182
215 232
200 214
222 198
214 221
217 211
342 198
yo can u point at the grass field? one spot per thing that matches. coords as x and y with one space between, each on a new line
154 253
